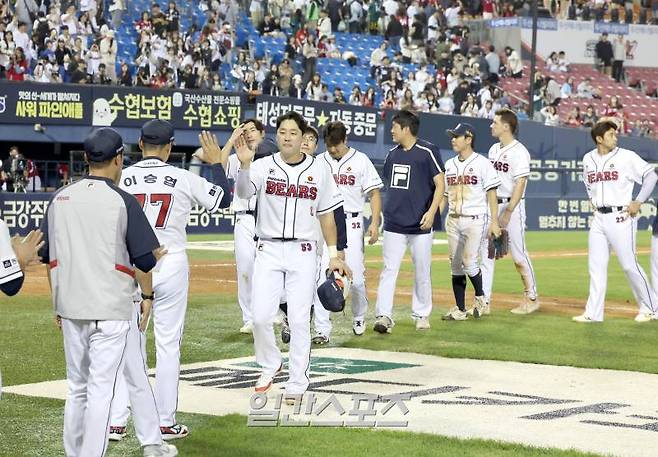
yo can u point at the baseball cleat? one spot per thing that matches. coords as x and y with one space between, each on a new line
285 331
358 327
645 317
320 338
383 324
455 314
117 433
174 432
247 328
265 381
529 305
160 450
584 319
422 323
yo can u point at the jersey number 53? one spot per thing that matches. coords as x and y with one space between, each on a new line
161 200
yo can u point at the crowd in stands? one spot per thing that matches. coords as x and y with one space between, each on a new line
57 41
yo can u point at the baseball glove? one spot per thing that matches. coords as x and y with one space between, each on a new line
498 247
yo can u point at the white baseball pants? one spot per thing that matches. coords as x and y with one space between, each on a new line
245 255
289 266
354 257
94 352
395 245
134 385
616 230
466 234
518 251
654 264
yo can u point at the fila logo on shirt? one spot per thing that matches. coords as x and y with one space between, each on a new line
599 176
400 176
281 189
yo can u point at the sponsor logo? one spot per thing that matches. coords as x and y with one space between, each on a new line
400 175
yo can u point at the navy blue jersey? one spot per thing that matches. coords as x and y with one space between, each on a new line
409 176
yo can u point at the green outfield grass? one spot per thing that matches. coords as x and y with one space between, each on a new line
32 352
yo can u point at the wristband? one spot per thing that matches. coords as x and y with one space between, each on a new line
333 252
148 297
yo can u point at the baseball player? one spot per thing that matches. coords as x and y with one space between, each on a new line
167 195
292 189
512 162
93 235
245 212
357 180
609 174
654 255
470 183
414 171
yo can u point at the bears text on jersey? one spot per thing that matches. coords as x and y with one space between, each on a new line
594 177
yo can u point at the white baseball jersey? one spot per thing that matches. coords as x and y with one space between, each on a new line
355 176
467 184
511 162
609 178
287 193
9 267
238 204
167 195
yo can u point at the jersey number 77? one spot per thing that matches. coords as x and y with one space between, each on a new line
161 200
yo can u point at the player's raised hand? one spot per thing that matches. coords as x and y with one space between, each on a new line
373 231
159 252
427 220
245 155
212 153
336 264
27 248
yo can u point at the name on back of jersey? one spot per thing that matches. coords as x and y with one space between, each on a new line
281 188
150 179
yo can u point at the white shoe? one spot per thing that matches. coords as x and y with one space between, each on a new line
247 328
320 338
358 327
529 305
160 450
117 432
455 314
383 324
645 317
583 319
422 323
265 381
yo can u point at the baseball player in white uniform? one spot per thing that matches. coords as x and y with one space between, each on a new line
470 183
512 162
167 195
357 180
609 174
292 189
244 229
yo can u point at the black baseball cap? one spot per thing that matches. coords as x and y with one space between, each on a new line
157 132
462 129
103 144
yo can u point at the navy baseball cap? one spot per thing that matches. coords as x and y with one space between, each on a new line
462 129
103 144
157 132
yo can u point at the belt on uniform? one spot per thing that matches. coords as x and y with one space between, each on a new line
464 215
609 209
283 239
249 213
504 200
356 214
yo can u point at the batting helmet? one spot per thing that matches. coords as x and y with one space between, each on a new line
333 292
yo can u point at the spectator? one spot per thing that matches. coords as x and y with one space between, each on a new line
269 84
446 103
291 49
377 58
250 87
256 11
407 103
338 96
514 63
310 53
453 12
356 14
488 9
172 15
551 117
125 77
390 101
374 16
460 95
619 57
216 82
159 20
100 77
493 62
285 78
108 49
70 19
297 89
18 67
21 37
563 63
369 97
116 10
469 107
394 33
566 91
335 14
268 26
356 97
325 94
604 53
553 62
552 90
324 24
14 171
205 80
429 103
7 48
314 88
487 111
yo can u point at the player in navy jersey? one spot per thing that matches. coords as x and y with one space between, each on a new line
413 172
